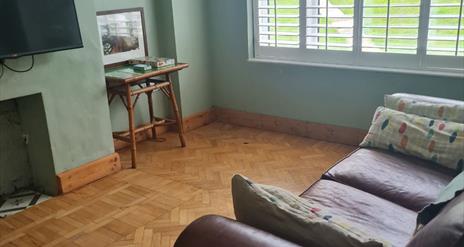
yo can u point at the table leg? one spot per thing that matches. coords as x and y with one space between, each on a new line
175 110
130 110
152 115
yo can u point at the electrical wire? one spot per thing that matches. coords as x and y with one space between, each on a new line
19 71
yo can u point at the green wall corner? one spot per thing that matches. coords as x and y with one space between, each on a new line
73 90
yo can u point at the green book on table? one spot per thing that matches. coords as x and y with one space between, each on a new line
141 67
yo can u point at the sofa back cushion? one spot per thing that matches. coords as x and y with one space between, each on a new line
438 141
445 229
435 108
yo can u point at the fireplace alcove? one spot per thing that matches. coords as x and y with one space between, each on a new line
26 160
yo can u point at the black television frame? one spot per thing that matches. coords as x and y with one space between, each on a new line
18 55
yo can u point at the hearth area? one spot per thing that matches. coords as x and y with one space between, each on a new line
19 201
26 162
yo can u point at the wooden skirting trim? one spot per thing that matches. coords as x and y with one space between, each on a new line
198 120
330 133
88 173
190 123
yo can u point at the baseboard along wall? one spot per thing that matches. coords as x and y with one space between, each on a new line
78 177
88 173
324 132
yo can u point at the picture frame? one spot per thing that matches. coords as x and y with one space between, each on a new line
122 35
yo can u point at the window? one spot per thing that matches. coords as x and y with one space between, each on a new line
446 28
419 35
279 23
390 26
329 26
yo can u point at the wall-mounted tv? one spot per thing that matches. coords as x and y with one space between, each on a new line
31 27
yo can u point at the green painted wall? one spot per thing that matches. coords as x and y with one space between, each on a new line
324 95
191 40
165 32
74 96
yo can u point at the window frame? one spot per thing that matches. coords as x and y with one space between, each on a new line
419 63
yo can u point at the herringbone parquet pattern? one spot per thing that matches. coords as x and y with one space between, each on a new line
150 206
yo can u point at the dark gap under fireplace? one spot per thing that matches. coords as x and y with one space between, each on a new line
26 161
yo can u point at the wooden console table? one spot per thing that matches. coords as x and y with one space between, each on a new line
128 85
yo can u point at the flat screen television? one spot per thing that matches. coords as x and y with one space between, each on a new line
31 27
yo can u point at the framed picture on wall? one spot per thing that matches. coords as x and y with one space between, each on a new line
122 35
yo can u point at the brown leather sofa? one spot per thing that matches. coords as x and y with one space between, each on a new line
377 191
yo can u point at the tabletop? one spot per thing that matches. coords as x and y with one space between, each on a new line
125 73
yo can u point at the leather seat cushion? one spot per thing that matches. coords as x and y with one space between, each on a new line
407 181
446 229
368 213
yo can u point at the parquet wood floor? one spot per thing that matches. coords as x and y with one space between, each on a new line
150 206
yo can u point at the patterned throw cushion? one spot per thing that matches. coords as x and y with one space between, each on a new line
449 112
293 218
439 141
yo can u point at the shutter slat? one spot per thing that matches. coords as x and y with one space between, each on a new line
391 26
331 35
329 44
279 24
390 37
330 7
279 7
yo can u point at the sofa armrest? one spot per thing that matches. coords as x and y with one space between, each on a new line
213 231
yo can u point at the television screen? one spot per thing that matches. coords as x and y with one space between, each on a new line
37 26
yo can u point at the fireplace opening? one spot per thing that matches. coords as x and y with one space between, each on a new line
27 173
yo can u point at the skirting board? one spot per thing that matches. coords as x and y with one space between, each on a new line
190 123
330 133
325 132
199 120
88 173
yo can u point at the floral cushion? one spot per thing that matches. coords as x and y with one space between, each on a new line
439 141
449 112
293 218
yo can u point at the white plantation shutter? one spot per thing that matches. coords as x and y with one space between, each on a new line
446 28
413 35
390 26
279 23
329 26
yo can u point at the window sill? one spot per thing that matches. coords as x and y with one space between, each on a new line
453 73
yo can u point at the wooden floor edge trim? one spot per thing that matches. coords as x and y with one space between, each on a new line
88 173
200 119
190 123
324 132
